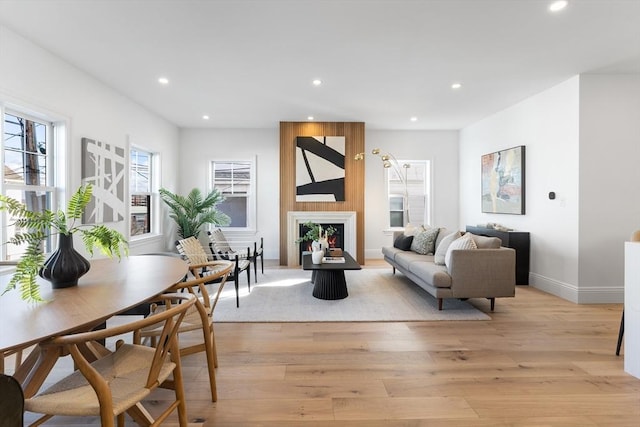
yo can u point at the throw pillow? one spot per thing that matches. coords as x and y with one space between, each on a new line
403 242
441 250
464 242
424 242
411 230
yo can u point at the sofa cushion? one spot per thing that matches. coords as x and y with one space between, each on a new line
436 275
441 250
403 242
390 252
425 241
405 258
485 242
464 242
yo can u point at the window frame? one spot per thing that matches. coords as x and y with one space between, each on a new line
251 193
426 183
153 194
55 166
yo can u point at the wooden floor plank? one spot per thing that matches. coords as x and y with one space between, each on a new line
539 361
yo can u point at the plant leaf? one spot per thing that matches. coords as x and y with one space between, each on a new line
110 242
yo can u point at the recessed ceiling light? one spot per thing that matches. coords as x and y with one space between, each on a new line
310 118
456 85
163 81
317 82
557 6
414 119
205 117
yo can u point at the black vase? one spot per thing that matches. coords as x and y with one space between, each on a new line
65 266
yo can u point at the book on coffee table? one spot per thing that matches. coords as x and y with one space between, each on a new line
333 259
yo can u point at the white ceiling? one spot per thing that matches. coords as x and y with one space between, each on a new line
250 63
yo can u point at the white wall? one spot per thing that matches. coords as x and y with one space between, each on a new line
198 147
547 124
32 78
609 181
583 141
441 148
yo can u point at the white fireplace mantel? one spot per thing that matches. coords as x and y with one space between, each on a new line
295 218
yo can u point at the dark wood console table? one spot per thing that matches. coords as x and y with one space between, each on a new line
518 240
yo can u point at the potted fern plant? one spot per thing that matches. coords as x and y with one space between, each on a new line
64 266
193 211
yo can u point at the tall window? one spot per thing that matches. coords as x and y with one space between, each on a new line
140 185
408 190
236 181
28 176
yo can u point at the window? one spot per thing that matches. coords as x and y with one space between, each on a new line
236 180
28 172
141 193
408 184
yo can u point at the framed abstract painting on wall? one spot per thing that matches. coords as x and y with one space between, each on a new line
103 166
503 183
320 164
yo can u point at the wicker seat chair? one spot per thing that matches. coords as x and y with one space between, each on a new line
118 382
200 263
199 317
221 249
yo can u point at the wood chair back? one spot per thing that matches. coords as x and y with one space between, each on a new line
122 379
198 317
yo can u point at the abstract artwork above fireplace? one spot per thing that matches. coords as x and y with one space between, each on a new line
320 172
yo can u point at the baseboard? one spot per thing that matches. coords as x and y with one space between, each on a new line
373 254
591 295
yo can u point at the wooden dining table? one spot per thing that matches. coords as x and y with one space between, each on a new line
110 287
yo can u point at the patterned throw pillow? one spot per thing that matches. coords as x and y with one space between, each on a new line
464 242
425 241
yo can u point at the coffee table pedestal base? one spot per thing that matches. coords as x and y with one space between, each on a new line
329 284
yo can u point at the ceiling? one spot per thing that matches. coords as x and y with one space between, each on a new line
250 63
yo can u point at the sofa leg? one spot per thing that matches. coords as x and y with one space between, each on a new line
493 303
394 270
439 303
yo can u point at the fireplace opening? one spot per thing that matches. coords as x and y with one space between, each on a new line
336 240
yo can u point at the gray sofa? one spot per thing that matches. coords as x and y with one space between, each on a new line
485 272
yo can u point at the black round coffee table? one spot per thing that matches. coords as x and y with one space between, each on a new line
328 278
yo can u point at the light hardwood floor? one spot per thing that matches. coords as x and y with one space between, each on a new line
540 361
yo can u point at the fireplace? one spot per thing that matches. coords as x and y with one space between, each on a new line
345 219
335 240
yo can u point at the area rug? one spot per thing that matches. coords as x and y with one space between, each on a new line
285 295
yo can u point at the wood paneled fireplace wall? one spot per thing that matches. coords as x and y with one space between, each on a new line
354 177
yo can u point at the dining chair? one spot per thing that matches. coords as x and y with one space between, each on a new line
198 317
11 402
200 263
118 382
222 249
